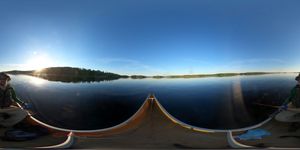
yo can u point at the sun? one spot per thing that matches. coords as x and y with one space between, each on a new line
39 62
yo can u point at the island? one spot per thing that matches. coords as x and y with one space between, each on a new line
73 74
219 75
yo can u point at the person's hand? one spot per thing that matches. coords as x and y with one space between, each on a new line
27 106
283 107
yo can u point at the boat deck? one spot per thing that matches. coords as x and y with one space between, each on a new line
151 128
43 141
280 136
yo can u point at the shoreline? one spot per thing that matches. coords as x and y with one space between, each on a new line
195 76
69 74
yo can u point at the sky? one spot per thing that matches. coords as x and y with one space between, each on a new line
151 37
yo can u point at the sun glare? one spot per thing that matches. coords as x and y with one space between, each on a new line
38 63
37 81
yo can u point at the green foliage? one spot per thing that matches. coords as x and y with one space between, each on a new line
158 77
70 74
138 77
218 75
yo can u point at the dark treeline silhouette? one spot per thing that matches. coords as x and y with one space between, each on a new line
70 74
138 77
215 75
16 72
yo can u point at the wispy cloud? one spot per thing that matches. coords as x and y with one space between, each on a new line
7 67
245 65
189 66
255 64
130 66
257 61
197 61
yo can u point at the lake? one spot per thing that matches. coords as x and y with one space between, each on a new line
212 102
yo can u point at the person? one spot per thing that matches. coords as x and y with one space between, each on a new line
10 115
293 101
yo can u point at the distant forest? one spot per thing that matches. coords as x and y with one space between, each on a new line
70 74
215 75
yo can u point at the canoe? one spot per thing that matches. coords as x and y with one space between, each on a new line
280 136
153 127
55 139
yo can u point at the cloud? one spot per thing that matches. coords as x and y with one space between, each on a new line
130 66
197 61
255 64
8 67
257 61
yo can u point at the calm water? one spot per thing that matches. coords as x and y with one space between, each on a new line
215 103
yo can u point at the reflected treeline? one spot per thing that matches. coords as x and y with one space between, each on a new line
74 75
215 75
70 74
76 79
138 77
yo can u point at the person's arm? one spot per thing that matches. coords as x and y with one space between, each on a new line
7 101
290 98
15 98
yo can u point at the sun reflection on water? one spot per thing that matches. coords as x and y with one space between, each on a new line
37 81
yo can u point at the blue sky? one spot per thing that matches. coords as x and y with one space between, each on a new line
151 37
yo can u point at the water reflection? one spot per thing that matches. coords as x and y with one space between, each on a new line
216 103
80 105
225 103
37 81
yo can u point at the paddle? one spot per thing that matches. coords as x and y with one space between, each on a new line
289 109
30 113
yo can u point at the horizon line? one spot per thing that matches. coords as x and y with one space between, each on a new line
267 72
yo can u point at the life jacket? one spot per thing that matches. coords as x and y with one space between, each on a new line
296 97
6 97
